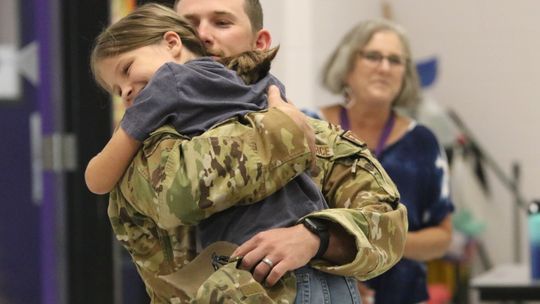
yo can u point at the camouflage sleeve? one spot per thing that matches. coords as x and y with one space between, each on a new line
237 162
363 200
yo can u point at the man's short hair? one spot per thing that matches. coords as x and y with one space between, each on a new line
255 14
253 10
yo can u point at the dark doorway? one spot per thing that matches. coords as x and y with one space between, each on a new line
88 117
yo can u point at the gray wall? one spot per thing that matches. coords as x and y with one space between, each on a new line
8 21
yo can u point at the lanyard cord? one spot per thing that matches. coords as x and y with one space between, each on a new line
388 126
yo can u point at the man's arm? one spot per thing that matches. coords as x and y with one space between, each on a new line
368 224
151 231
364 199
237 162
365 204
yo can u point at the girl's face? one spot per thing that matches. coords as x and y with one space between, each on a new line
125 75
379 69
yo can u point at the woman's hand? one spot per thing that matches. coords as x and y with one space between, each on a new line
429 243
367 294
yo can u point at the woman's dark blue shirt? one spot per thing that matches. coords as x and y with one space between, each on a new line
419 169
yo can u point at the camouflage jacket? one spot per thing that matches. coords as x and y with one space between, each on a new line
174 182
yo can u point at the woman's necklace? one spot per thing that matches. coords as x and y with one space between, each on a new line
387 129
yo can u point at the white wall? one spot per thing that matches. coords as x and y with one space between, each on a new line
307 31
489 74
490 71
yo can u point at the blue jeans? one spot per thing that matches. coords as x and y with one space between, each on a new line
314 286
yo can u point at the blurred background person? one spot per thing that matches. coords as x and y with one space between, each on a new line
371 67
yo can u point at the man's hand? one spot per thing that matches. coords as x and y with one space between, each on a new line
287 249
275 101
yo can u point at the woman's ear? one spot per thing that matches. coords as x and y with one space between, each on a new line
263 40
173 43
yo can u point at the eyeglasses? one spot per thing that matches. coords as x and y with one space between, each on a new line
375 58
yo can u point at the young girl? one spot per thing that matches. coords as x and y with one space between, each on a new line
152 59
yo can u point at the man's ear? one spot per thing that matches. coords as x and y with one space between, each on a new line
263 40
173 42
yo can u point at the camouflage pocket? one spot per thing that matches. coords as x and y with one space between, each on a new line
213 278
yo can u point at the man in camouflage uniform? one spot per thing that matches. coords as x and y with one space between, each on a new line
148 207
143 206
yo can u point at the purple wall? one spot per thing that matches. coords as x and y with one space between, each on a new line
45 106
27 272
19 219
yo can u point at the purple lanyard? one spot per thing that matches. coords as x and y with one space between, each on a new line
388 126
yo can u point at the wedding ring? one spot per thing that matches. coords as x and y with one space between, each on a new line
268 262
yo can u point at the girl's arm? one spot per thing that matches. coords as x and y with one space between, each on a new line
106 168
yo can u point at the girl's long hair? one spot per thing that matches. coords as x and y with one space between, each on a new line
147 24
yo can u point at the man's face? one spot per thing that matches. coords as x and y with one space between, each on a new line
223 25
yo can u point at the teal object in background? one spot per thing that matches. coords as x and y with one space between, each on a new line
465 222
534 238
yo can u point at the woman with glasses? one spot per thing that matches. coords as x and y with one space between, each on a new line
373 71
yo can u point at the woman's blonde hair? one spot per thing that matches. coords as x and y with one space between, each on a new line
341 62
147 24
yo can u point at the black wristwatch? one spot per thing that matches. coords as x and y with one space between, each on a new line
320 228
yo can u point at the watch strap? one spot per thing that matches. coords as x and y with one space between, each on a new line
325 238
320 228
